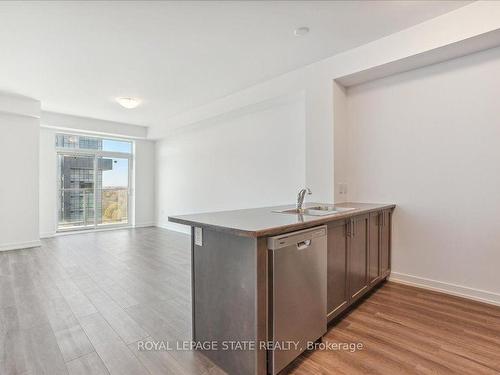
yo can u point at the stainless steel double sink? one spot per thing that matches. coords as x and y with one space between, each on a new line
320 210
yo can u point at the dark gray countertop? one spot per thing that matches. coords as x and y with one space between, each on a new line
259 222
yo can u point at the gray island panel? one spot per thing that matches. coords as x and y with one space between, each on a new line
230 299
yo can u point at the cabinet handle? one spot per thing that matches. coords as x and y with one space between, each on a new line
353 223
349 228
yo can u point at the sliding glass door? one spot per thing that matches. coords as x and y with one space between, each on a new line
76 191
93 185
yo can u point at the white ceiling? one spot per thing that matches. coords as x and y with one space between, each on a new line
77 56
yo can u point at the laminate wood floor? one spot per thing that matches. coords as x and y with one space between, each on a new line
407 330
80 304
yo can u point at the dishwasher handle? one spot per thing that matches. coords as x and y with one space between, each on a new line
303 244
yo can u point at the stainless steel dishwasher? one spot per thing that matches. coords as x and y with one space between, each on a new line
297 293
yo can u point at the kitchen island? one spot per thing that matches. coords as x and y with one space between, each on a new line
231 274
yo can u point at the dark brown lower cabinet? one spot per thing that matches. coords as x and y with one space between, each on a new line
337 297
385 242
358 258
374 244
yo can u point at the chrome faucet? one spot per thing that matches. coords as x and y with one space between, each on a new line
300 198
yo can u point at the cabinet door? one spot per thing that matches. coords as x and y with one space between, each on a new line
374 246
358 256
337 268
385 243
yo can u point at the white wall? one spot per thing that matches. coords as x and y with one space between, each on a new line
48 183
143 211
341 144
469 28
19 129
91 125
429 140
250 159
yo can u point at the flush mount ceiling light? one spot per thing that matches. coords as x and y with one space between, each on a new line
128 102
301 31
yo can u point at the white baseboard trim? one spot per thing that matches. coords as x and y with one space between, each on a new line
448 288
47 234
19 245
175 227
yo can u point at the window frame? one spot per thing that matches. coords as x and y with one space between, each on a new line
96 154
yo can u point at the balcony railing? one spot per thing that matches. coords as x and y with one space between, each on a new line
79 208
